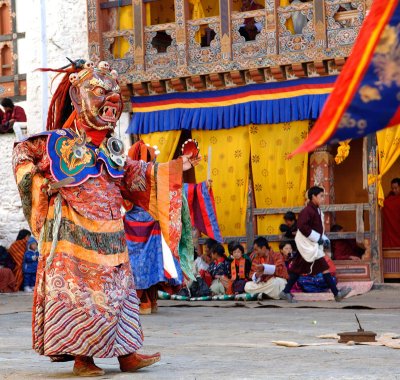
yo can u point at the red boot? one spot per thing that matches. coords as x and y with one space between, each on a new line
133 362
84 366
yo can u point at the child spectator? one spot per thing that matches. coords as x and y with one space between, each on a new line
219 270
30 265
289 228
286 249
239 269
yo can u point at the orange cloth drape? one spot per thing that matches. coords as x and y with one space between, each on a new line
17 251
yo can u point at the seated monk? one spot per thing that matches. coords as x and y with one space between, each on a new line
345 249
391 217
8 283
268 271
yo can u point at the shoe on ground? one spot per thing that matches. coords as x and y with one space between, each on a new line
133 362
28 289
286 296
342 294
85 367
144 310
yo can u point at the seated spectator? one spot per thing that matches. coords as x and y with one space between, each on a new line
231 246
317 284
268 271
391 216
286 250
30 265
202 262
239 269
6 258
209 245
219 271
289 228
7 278
200 287
17 251
11 118
345 249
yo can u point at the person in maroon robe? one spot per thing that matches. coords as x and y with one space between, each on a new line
345 249
391 217
310 225
11 115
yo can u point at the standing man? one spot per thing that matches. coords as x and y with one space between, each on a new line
268 270
310 240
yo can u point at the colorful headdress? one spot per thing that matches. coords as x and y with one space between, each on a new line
61 111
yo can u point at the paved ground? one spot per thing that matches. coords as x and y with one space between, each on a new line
220 341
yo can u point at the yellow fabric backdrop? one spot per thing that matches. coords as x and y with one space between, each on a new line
230 151
278 181
388 152
121 45
166 143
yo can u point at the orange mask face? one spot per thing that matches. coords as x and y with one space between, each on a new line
96 96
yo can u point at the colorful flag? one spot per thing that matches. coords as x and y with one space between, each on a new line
366 95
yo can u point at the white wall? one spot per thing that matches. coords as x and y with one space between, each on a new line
65 36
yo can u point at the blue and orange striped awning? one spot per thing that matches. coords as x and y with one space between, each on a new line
267 103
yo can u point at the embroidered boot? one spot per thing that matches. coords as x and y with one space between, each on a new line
133 362
84 366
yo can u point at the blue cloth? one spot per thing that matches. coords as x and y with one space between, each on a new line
302 107
29 279
314 284
145 250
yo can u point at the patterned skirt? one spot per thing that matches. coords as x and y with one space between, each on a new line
85 300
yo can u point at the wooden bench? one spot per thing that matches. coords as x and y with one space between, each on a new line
391 263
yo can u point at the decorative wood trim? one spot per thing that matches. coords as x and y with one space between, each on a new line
139 18
225 7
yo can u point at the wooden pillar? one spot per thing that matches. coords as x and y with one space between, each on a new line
139 22
374 214
225 9
320 24
271 22
321 174
95 30
181 16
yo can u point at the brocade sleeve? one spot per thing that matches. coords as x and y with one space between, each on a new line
29 166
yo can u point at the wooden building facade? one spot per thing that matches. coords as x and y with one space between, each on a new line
173 49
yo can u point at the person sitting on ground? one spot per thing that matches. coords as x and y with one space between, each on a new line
11 117
17 251
317 284
345 249
219 270
231 246
289 228
7 278
310 242
30 265
391 216
6 258
239 269
268 271
286 249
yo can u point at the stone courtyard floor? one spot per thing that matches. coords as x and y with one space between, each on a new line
228 340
